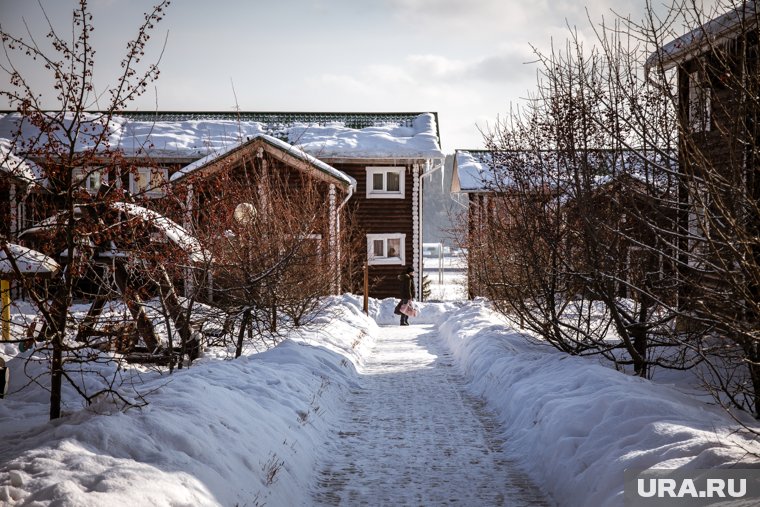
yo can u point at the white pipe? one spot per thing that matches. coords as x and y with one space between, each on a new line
434 169
428 170
345 201
337 231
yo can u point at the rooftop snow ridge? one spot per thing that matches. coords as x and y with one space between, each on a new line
194 135
282 119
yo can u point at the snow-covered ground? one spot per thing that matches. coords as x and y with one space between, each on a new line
266 428
411 434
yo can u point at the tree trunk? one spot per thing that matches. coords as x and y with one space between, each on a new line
753 363
58 314
56 376
170 299
134 304
91 318
241 333
639 334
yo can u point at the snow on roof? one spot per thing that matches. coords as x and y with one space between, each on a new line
282 145
11 164
478 170
741 18
195 135
420 140
173 231
50 223
30 262
472 170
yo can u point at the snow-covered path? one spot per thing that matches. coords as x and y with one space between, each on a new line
412 435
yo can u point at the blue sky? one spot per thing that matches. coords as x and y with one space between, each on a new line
466 60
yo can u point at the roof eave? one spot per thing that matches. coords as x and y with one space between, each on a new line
698 41
289 156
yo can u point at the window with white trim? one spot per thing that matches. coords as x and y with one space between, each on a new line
699 103
385 182
148 181
386 249
699 227
90 178
312 247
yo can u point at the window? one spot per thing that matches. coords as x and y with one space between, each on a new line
700 218
386 248
311 248
385 182
90 178
699 103
149 181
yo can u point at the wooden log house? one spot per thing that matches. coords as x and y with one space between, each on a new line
375 161
717 76
621 191
385 156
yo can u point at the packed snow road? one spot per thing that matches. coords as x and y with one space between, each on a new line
412 435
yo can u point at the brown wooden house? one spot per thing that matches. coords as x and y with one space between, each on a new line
496 183
627 211
241 184
717 75
473 176
375 162
494 198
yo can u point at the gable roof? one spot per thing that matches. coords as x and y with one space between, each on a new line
29 262
192 135
475 171
716 31
280 149
17 168
472 171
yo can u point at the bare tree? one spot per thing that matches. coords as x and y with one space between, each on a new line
71 145
273 245
714 89
574 181
629 184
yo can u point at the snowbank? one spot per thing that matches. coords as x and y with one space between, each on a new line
238 432
579 424
248 431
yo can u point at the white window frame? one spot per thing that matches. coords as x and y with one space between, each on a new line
699 227
83 175
149 191
308 237
318 239
700 113
385 194
374 260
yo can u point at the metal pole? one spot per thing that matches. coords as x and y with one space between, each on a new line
5 292
366 288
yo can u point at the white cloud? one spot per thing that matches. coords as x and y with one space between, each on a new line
345 83
436 66
385 74
465 93
435 75
472 16
504 66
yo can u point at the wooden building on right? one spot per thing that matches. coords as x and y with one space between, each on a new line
715 75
